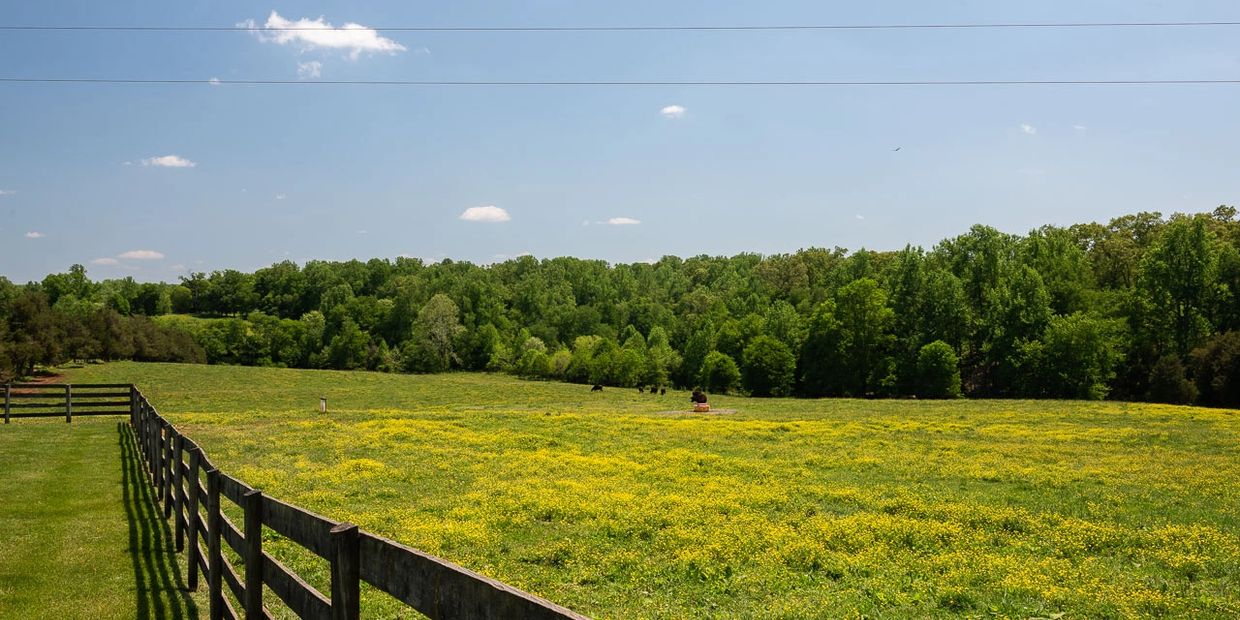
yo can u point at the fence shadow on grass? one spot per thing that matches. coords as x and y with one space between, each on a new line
159 586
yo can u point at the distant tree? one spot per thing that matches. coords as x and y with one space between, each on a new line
436 331
1168 384
1177 275
821 366
865 324
1216 371
581 363
720 373
348 349
938 374
699 345
1078 357
769 368
232 292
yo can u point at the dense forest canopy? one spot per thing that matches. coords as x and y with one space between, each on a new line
1141 308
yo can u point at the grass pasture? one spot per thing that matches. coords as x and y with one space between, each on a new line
79 533
610 505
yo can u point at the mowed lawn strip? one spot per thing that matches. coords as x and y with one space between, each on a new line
620 505
79 537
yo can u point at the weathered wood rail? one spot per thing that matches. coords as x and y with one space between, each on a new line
53 400
192 491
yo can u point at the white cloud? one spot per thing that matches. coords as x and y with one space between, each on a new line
141 255
169 161
34 235
309 70
278 196
1079 127
109 262
860 217
214 81
1029 129
673 111
360 232
422 51
7 192
488 213
623 221
177 267
312 34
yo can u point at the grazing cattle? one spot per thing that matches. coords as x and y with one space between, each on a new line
654 392
662 391
597 388
641 390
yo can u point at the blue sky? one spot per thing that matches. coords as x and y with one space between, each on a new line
337 172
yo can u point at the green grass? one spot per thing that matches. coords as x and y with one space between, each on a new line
79 536
619 506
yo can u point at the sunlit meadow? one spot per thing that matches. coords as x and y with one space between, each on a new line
621 505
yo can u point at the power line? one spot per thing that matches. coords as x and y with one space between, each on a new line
703 28
218 82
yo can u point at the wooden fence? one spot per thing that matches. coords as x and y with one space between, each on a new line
52 400
191 490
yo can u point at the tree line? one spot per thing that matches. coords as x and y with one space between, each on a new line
1144 307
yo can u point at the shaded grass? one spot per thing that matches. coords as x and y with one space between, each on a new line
80 536
787 508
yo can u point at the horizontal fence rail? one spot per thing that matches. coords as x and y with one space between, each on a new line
192 491
54 400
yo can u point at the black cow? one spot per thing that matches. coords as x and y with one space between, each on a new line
598 387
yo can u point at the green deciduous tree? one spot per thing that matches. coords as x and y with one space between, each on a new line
720 373
938 374
768 368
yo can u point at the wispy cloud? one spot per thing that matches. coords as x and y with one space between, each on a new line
141 255
169 161
1080 127
106 262
34 235
1028 129
7 192
487 213
313 34
309 70
859 217
278 196
623 221
673 111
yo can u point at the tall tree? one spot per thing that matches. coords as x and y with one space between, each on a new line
1177 276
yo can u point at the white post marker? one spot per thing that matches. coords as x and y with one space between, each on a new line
322 404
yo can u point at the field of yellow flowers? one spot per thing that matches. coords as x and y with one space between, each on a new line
620 505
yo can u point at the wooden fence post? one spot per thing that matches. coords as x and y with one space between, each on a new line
191 517
346 575
178 490
133 406
168 473
159 461
68 403
252 502
215 559
8 395
151 429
